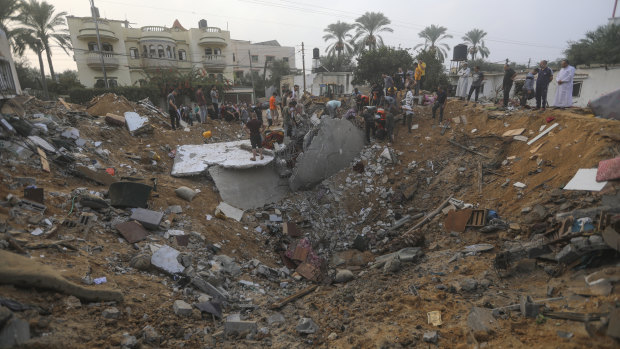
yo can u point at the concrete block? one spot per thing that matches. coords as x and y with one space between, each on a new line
306 326
166 259
149 219
481 320
218 294
430 337
568 254
14 333
182 308
111 313
234 325
229 211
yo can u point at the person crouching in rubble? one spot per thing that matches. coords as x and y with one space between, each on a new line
173 110
255 127
333 107
369 122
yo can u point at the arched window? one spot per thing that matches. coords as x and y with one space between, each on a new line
220 77
152 51
145 51
208 51
107 47
160 51
112 82
133 53
182 55
92 46
168 52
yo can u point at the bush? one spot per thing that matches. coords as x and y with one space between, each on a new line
132 93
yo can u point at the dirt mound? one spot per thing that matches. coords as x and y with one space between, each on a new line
109 103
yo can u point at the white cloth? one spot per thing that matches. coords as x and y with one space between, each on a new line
461 87
564 92
409 98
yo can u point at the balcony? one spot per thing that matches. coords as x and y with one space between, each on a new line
156 33
159 63
89 32
214 62
93 60
212 36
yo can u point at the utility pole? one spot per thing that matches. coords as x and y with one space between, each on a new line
252 77
95 14
303 63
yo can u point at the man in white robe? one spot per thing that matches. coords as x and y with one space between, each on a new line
564 92
461 87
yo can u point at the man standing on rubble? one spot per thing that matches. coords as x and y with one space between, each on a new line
440 102
417 77
215 101
476 82
202 104
461 87
545 76
422 67
173 110
369 122
509 78
388 82
255 127
564 93
273 108
528 88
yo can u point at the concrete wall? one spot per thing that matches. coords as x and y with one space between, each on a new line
315 80
6 59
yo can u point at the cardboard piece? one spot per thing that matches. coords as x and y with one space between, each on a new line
457 220
585 179
515 132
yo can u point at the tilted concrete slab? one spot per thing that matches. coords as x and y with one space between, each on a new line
134 121
249 188
192 160
336 144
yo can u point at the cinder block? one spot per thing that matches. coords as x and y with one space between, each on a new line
149 219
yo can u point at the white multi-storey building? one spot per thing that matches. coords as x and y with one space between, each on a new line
131 54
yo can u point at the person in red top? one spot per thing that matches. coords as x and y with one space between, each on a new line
254 127
273 108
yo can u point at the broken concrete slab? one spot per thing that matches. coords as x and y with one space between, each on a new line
306 326
71 132
165 258
134 121
132 231
210 307
229 211
249 188
42 143
336 144
218 294
234 325
481 320
585 179
149 219
192 160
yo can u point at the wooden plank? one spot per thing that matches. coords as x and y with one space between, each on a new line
543 133
65 104
515 132
287 300
44 164
536 148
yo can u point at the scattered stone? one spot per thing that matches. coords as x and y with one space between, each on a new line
14 333
181 308
392 265
481 320
150 335
343 276
430 337
141 261
129 341
228 265
332 336
276 318
176 209
306 326
165 259
111 313
565 335
468 285
73 302
149 219
234 325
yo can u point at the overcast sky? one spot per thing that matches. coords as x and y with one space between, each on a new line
517 30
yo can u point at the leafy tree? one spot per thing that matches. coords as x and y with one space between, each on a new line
8 10
277 69
339 33
28 76
599 46
432 35
67 81
333 63
435 71
485 66
371 64
26 38
367 29
47 26
187 82
475 38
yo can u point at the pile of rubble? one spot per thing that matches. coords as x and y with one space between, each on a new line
156 238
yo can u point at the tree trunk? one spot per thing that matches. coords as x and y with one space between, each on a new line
49 59
43 82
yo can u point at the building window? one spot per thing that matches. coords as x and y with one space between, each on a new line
145 51
234 57
577 88
168 52
208 51
285 59
7 84
92 46
254 59
220 77
133 53
160 51
151 51
269 58
217 51
100 83
107 47
112 83
182 55
239 74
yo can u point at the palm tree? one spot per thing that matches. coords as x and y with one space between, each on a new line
47 26
475 38
8 8
339 32
26 38
367 28
432 35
